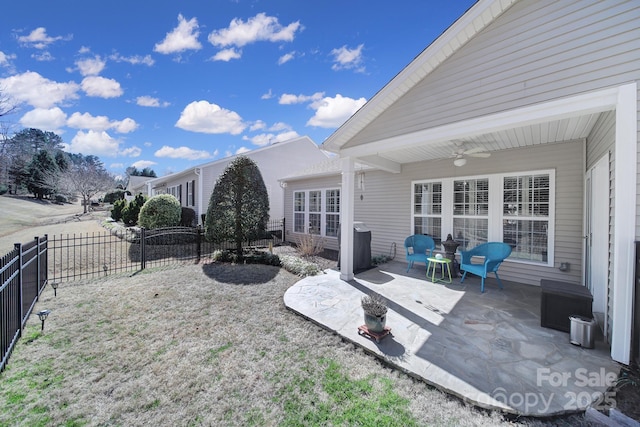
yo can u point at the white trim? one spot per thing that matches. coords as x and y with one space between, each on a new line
347 205
625 174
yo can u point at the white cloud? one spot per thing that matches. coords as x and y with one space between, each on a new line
39 39
131 152
183 37
141 164
348 59
147 144
133 60
242 150
270 138
286 58
37 91
87 121
182 153
201 116
333 112
149 101
267 95
101 87
100 123
95 143
288 98
258 125
227 55
5 59
43 56
116 166
91 66
259 28
46 119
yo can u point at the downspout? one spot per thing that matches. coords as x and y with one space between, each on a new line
198 172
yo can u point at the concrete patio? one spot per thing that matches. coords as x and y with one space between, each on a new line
488 349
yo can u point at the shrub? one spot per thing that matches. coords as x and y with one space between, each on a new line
132 210
188 217
162 210
299 266
113 196
310 245
3 189
61 198
118 207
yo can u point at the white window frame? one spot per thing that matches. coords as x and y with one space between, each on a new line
320 208
495 214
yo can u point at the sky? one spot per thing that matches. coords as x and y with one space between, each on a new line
174 84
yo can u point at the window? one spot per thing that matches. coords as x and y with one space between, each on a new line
525 211
332 216
514 208
317 212
299 207
191 193
470 211
427 209
175 191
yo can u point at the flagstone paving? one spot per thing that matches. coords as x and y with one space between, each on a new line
486 348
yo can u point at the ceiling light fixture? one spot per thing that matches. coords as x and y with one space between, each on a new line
460 161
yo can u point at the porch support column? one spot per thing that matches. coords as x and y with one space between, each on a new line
199 197
626 152
346 218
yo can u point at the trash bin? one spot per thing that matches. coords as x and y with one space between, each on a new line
581 332
361 247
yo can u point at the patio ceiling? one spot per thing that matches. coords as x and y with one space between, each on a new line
568 129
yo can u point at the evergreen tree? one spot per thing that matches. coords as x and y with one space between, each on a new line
239 206
43 175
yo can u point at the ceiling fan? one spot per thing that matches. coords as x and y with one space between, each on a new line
460 154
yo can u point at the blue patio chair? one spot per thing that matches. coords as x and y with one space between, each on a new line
418 247
493 252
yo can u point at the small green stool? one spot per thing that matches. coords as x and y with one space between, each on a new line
445 265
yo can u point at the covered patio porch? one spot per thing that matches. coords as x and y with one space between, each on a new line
486 348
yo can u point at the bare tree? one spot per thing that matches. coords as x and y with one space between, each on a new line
6 104
86 179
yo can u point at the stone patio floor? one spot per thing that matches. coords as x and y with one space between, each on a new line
486 348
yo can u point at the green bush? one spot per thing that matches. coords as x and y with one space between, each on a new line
162 210
132 210
61 198
3 189
188 217
113 196
118 207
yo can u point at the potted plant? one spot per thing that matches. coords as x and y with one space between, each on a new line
375 312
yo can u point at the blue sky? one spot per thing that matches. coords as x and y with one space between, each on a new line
172 84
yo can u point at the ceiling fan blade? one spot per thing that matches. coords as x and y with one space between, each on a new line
482 155
475 150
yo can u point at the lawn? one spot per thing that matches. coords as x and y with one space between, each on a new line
207 344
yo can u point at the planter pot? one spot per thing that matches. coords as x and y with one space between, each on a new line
375 323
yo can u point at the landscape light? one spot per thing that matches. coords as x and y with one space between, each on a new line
54 285
42 314
105 268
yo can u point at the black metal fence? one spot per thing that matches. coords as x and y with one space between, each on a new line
23 276
95 254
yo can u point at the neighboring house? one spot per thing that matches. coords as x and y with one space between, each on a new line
193 187
137 185
550 89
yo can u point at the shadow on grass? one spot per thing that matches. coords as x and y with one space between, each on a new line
240 274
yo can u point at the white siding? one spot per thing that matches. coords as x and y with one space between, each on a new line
536 51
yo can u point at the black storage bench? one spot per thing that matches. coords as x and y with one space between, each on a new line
559 300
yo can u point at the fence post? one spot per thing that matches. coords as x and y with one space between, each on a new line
198 244
18 246
283 230
143 256
37 239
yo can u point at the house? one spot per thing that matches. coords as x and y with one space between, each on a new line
518 124
193 187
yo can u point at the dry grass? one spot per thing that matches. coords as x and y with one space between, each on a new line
205 344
